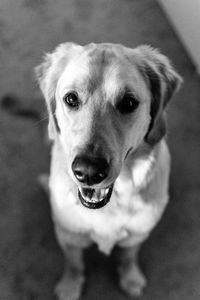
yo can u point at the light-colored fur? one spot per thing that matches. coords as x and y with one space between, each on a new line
99 73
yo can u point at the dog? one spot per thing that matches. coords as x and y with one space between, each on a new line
110 163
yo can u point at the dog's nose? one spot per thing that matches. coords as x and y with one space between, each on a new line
90 170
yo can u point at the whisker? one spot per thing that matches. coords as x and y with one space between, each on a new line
41 120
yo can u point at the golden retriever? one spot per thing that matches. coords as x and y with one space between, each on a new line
110 163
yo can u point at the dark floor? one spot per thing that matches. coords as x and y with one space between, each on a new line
30 260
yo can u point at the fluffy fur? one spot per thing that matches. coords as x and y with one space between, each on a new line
133 143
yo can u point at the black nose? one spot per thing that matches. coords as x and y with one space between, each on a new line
90 170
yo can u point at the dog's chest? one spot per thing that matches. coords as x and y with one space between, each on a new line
124 219
135 206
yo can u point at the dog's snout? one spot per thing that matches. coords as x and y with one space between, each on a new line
90 170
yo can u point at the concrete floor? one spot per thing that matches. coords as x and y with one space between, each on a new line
30 260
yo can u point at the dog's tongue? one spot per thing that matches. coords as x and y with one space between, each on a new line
94 198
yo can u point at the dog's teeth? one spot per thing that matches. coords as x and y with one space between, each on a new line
107 190
100 194
94 195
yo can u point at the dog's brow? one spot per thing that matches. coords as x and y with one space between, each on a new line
99 60
97 66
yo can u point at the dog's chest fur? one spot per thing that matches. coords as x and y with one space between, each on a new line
138 200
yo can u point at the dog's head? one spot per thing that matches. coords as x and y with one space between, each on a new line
104 101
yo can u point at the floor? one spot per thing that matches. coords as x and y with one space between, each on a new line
30 259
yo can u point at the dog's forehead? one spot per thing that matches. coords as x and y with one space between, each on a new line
108 66
105 64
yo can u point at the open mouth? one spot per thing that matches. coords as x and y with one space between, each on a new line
95 198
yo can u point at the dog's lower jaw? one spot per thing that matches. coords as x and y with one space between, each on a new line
95 198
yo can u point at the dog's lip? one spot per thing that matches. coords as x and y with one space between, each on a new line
95 198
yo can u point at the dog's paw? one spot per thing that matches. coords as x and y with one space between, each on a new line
69 287
132 281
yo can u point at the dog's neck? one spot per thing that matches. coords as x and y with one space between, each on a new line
142 162
137 170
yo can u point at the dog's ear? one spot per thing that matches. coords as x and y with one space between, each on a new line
163 82
47 74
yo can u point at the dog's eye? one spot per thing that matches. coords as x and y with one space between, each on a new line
127 104
72 100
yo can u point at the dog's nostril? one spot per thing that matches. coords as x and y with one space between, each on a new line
79 175
101 175
90 170
98 177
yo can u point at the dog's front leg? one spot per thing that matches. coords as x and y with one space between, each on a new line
70 285
132 281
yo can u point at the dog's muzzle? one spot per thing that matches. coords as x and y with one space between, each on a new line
91 171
